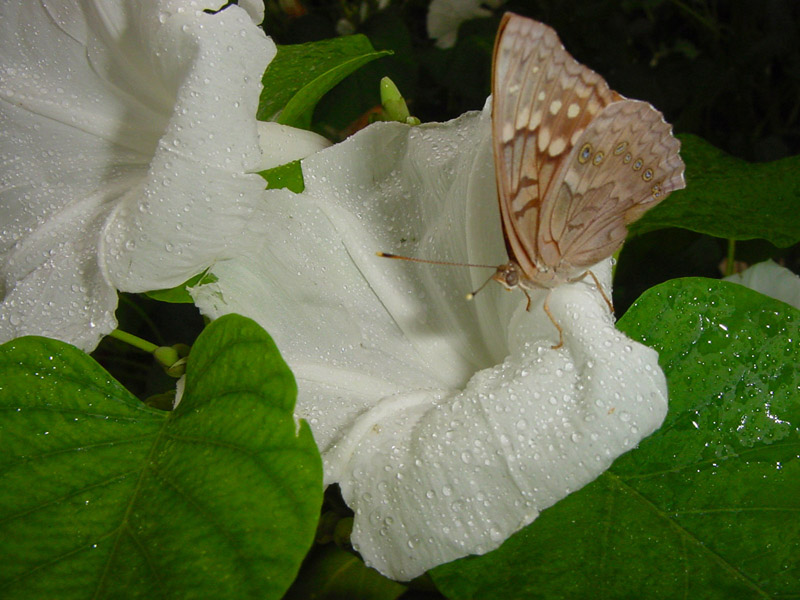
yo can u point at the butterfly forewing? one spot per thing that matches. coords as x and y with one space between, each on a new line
561 213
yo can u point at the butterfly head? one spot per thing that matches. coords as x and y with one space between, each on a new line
511 276
508 275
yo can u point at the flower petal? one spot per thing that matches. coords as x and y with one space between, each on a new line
448 424
281 144
101 103
300 285
772 280
433 480
54 286
254 8
196 194
58 176
350 320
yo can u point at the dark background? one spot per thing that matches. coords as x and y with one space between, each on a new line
727 71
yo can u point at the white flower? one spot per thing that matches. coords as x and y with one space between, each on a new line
772 280
254 8
448 424
127 128
446 16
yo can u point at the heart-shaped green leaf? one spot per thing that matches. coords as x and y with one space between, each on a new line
103 497
707 506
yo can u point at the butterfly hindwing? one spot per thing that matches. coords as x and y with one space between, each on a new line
624 163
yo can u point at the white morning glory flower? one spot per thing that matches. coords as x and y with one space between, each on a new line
448 424
770 279
127 129
446 16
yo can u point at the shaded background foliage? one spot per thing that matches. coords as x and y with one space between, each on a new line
726 71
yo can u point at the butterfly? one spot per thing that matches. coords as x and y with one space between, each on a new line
575 162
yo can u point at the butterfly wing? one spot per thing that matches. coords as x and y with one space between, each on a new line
622 165
557 215
542 101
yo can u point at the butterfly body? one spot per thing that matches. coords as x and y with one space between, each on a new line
575 161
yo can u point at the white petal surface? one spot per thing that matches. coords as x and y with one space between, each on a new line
281 144
772 280
254 8
133 116
448 424
197 194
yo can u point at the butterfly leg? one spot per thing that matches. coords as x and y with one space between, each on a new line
528 296
599 287
602 292
553 320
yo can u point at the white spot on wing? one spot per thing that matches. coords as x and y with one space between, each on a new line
581 90
573 110
508 132
523 116
544 139
536 119
555 106
557 146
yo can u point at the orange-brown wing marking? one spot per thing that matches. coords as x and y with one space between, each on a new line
543 100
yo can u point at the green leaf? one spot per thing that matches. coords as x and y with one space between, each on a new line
330 573
355 101
103 497
179 294
730 198
301 74
707 506
289 176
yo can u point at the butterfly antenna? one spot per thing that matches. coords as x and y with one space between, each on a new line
433 262
471 295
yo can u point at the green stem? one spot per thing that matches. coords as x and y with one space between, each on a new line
136 342
729 264
142 314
